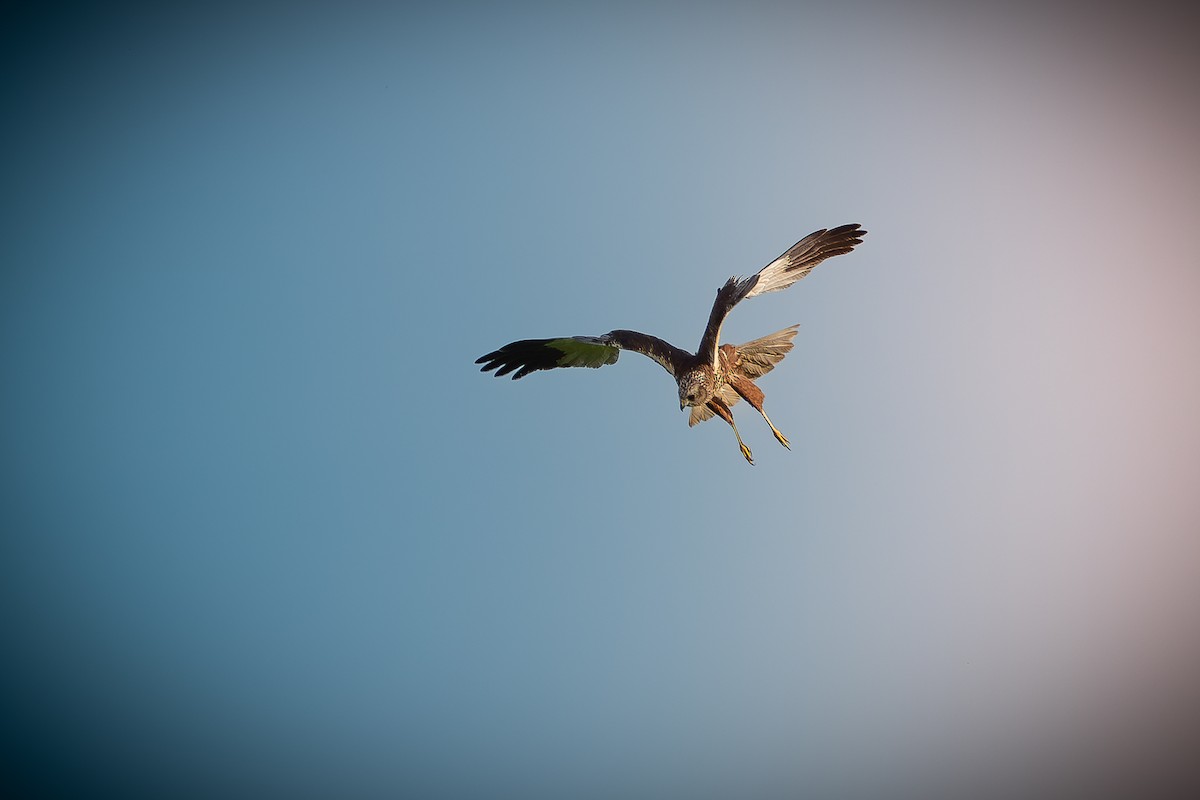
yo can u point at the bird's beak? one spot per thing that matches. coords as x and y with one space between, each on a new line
682 405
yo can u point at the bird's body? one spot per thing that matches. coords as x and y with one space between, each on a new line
716 376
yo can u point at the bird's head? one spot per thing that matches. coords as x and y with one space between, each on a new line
694 390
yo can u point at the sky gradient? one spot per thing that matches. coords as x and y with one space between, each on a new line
268 532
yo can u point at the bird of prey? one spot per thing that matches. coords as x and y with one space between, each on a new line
717 375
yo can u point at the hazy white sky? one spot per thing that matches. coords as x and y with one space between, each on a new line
268 529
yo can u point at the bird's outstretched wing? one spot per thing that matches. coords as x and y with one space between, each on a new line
801 257
530 355
781 273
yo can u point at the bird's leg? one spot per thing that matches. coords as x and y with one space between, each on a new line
742 445
783 440
721 410
754 396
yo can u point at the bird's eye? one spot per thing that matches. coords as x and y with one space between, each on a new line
691 397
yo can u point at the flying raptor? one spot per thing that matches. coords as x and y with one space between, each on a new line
713 378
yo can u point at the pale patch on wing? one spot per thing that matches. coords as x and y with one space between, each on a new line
801 257
584 351
703 413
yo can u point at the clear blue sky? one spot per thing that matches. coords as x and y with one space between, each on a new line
268 532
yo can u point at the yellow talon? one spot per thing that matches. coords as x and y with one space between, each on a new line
783 440
746 453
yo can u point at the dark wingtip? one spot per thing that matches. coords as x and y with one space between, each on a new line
523 357
490 362
495 361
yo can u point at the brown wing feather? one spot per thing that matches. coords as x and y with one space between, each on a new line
673 359
761 355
